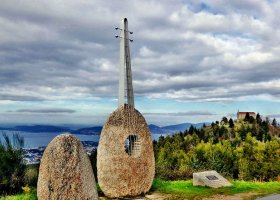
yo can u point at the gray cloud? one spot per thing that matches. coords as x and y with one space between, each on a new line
47 110
191 51
190 113
16 97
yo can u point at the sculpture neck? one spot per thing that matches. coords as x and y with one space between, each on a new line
126 95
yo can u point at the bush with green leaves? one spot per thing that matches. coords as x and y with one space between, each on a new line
177 157
11 164
31 174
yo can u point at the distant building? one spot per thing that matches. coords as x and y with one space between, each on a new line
241 115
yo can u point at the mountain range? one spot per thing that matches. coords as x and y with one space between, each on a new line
96 130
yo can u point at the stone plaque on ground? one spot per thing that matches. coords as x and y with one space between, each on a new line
210 178
65 171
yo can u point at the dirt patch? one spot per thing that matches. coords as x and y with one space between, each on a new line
158 196
161 196
150 196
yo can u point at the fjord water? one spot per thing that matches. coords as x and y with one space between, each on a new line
34 140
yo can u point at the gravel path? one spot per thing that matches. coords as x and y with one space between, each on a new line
270 197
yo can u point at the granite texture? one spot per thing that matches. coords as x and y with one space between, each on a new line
120 174
65 171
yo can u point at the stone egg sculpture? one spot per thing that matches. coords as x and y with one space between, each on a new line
125 156
65 171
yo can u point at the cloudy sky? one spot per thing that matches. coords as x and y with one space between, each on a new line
192 61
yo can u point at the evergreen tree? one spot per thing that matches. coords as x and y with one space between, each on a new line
201 133
243 132
223 131
258 119
254 130
251 120
231 124
274 123
191 130
225 120
247 117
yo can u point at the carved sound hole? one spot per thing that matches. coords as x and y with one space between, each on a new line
132 145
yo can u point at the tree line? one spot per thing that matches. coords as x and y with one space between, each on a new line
246 150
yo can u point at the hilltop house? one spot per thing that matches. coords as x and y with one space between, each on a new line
241 115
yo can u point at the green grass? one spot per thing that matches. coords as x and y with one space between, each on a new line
29 196
185 189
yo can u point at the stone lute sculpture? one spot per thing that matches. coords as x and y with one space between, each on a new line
125 157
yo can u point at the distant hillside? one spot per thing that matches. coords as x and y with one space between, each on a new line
96 130
171 129
3 128
182 127
156 129
41 128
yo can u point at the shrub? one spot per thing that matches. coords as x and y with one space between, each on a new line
31 175
11 164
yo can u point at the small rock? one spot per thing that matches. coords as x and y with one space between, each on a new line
65 171
211 179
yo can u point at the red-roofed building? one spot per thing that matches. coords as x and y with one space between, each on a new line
241 115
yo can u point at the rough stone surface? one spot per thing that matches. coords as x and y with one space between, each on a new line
120 174
65 171
200 179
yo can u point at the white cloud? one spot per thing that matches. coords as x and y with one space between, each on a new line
146 52
182 50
